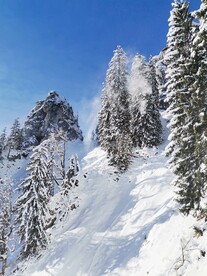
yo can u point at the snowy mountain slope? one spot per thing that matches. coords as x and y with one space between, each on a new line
13 169
126 224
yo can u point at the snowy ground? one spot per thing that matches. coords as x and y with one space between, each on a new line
126 225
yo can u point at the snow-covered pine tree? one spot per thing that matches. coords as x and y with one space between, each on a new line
160 68
139 87
32 212
60 148
104 133
53 158
145 123
15 138
155 126
114 117
70 181
191 195
5 222
178 42
2 141
181 74
66 199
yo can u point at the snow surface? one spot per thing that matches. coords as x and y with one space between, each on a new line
126 225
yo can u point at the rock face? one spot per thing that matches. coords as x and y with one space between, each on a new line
50 115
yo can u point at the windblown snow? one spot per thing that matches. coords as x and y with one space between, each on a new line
126 225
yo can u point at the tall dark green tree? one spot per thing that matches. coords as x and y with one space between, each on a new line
114 117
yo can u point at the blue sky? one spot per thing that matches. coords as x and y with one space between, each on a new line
65 45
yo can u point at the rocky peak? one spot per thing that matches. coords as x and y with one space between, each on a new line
51 115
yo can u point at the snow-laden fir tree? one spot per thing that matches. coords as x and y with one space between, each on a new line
68 200
160 68
5 222
178 40
176 58
32 212
54 158
15 138
190 195
139 87
104 133
155 125
181 76
114 117
69 181
145 123
2 141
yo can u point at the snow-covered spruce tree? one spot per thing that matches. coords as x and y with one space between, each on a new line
5 222
104 133
68 201
191 196
181 75
32 212
15 138
145 123
114 117
155 130
139 87
60 149
69 181
54 158
2 141
160 68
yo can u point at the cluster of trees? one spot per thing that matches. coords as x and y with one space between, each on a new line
186 59
129 116
45 197
14 141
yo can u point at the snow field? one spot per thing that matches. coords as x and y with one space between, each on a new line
126 225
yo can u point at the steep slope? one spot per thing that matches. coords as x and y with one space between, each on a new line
126 225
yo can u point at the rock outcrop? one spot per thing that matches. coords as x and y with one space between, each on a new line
50 116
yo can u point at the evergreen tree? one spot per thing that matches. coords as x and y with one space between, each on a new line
2 141
114 117
145 124
15 138
139 87
69 181
5 222
160 68
53 159
104 133
68 199
33 214
156 130
182 77
192 196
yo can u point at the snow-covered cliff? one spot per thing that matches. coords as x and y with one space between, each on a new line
51 115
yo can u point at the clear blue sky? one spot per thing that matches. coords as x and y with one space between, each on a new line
65 45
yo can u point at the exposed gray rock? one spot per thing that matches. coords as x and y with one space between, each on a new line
49 116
